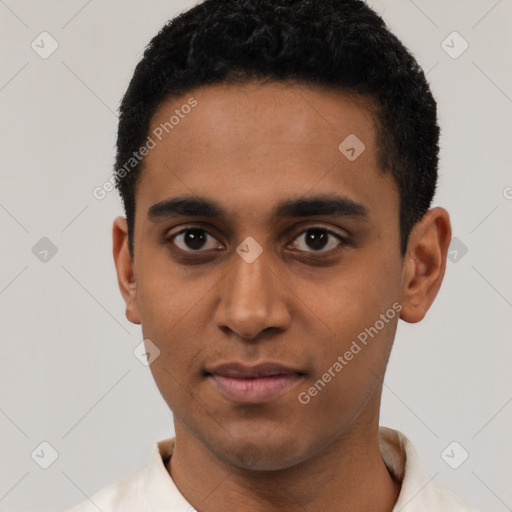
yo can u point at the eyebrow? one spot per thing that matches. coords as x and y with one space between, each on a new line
191 206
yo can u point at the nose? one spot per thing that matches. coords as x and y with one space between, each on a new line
253 299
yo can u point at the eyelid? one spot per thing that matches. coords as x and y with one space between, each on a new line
343 239
171 237
318 225
295 231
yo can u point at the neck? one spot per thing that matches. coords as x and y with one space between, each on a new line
349 474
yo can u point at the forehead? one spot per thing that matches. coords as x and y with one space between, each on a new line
252 145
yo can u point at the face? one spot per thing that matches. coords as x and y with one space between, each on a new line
267 269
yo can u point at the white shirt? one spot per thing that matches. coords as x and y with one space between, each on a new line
153 490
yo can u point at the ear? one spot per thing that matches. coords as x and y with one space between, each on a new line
124 268
425 263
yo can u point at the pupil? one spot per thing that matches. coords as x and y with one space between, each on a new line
316 239
195 238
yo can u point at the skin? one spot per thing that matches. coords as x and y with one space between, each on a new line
250 147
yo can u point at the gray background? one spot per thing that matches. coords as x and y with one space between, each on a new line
68 375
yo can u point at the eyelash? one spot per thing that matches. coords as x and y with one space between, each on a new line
316 254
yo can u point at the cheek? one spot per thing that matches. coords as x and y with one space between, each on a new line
351 301
164 296
347 376
177 369
359 308
169 312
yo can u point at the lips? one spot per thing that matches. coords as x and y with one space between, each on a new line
253 384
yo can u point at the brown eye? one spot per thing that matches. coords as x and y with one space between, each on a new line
317 240
194 240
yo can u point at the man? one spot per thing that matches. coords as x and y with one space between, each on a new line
277 160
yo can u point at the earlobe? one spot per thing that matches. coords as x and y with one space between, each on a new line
425 264
124 268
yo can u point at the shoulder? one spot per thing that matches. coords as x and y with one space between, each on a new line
126 494
148 490
437 497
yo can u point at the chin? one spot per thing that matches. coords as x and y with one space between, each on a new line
261 454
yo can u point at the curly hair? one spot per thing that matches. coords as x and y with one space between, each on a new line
341 44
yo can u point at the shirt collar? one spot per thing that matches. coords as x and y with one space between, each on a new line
161 490
402 462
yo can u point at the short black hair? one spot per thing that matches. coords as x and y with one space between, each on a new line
341 44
